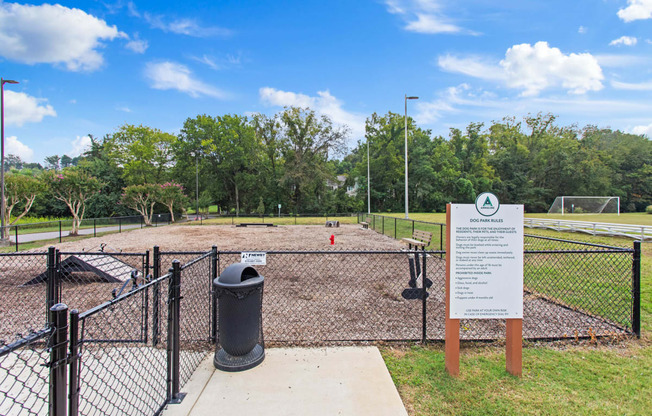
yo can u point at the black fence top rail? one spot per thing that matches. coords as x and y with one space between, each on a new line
30 338
183 253
101 253
24 253
582 243
401 251
408 219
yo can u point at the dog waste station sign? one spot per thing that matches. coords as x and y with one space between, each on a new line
484 272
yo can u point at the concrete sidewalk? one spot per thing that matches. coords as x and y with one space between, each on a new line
295 381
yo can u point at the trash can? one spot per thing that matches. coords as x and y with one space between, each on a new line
239 291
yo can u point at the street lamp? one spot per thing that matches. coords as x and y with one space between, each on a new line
2 151
368 182
197 184
406 155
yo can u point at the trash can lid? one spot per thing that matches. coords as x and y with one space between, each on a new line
238 275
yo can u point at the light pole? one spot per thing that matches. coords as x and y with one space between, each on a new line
368 182
2 151
197 184
406 155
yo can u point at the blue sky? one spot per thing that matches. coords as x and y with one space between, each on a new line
89 67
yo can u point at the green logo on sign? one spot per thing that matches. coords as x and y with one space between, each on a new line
487 204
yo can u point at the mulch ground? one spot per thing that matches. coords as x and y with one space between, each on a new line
308 297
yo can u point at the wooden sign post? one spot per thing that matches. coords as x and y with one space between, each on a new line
484 273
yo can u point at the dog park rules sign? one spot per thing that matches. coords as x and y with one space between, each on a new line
486 254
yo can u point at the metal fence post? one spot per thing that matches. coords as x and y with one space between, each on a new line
59 230
73 381
424 295
94 228
174 295
156 297
146 276
119 225
16 229
395 228
636 289
213 335
58 344
51 297
383 226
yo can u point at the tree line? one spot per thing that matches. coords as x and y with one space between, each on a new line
294 158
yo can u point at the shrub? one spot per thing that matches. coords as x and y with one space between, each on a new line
648 209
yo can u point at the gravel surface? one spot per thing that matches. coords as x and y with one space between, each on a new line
308 297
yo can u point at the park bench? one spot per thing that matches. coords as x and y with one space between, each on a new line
365 225
419 239
255 224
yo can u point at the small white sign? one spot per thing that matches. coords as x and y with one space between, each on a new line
254 257
486 275
279 206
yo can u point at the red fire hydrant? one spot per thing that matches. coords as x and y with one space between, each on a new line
332 240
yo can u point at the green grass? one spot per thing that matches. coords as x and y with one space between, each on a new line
574 381
578 380
636 218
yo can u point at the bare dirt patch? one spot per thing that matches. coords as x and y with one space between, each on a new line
229 237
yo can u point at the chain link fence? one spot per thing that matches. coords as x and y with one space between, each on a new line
24 375
142 334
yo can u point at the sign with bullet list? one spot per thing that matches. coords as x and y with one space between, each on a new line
486 254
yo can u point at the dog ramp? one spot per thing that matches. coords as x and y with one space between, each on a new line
108 268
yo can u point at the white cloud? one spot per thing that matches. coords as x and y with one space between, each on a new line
187 27
324 103
124 109
642 86
532 69
173 76
468 103
21 108
637 10
137 45
535 68
646 130
53 34
474 66
624 40
80 145
424 16
622 61
15 147
218 63
582 30
431 24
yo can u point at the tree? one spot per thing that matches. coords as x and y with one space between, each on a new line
52 162
73 186
307 142
19 190
98 162
143 152
171 194
13 161
142 198
66 161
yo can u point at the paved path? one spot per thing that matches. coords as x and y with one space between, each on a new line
51 235
296 381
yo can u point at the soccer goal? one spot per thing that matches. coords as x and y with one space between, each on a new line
585 205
